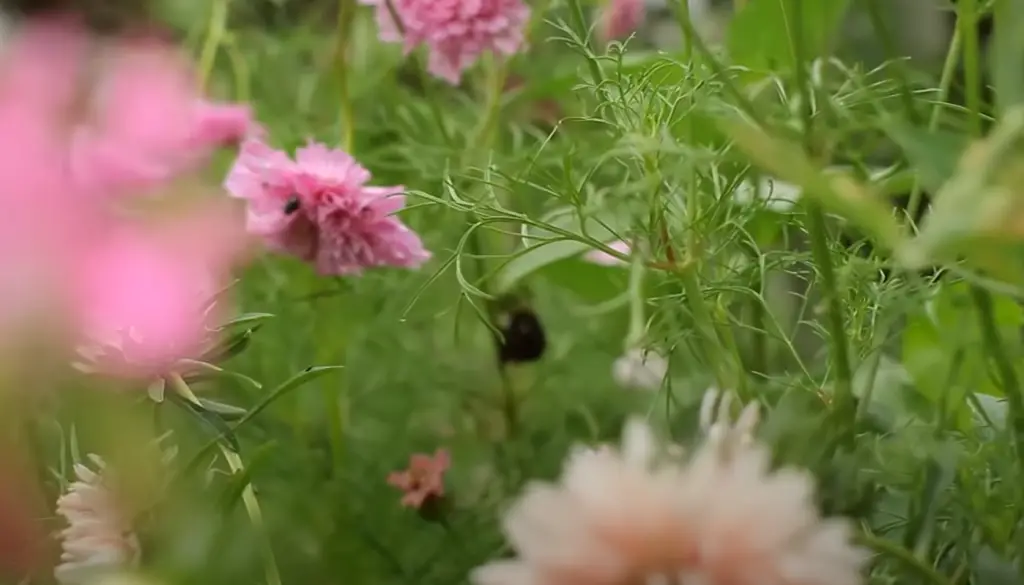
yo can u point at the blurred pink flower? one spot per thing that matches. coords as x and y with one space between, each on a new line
456 32
606 259
318 208
721 518
423 480
620 18
144 291
148 123
43 223
71 256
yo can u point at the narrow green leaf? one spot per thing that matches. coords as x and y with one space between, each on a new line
245 319
295 382
209 371
225 411
235 344
207 419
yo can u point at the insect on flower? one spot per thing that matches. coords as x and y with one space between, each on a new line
292 205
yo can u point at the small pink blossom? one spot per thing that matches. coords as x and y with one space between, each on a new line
605 259
423 480
456 32
319 208
620 18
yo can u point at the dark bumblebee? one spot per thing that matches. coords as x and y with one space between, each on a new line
522 337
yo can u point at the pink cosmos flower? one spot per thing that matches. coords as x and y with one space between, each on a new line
606 259
423 480
456 32
319 208
720 517
147 122
145 290
619 18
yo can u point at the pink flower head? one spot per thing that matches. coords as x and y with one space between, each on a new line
620 18
146 292
319 208
148 122
424 479
606 259
456 32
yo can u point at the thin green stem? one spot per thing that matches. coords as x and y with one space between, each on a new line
252 505
945 82
252 508
694 41
882 31
637 320
725 375
215 30
843 396
343 34
1008 375
967 20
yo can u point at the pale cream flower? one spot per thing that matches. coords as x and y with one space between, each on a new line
631 517
640 369
99 539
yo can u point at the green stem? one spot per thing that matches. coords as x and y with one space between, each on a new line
994 346
346 16
945 82
843 397
967 20
214 37
252 505
637 319
882 31
726 376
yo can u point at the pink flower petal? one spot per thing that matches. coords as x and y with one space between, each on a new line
319 209
456 32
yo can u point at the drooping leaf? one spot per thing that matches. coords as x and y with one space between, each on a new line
834 190
933 154
1006 54
557 257
760 34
